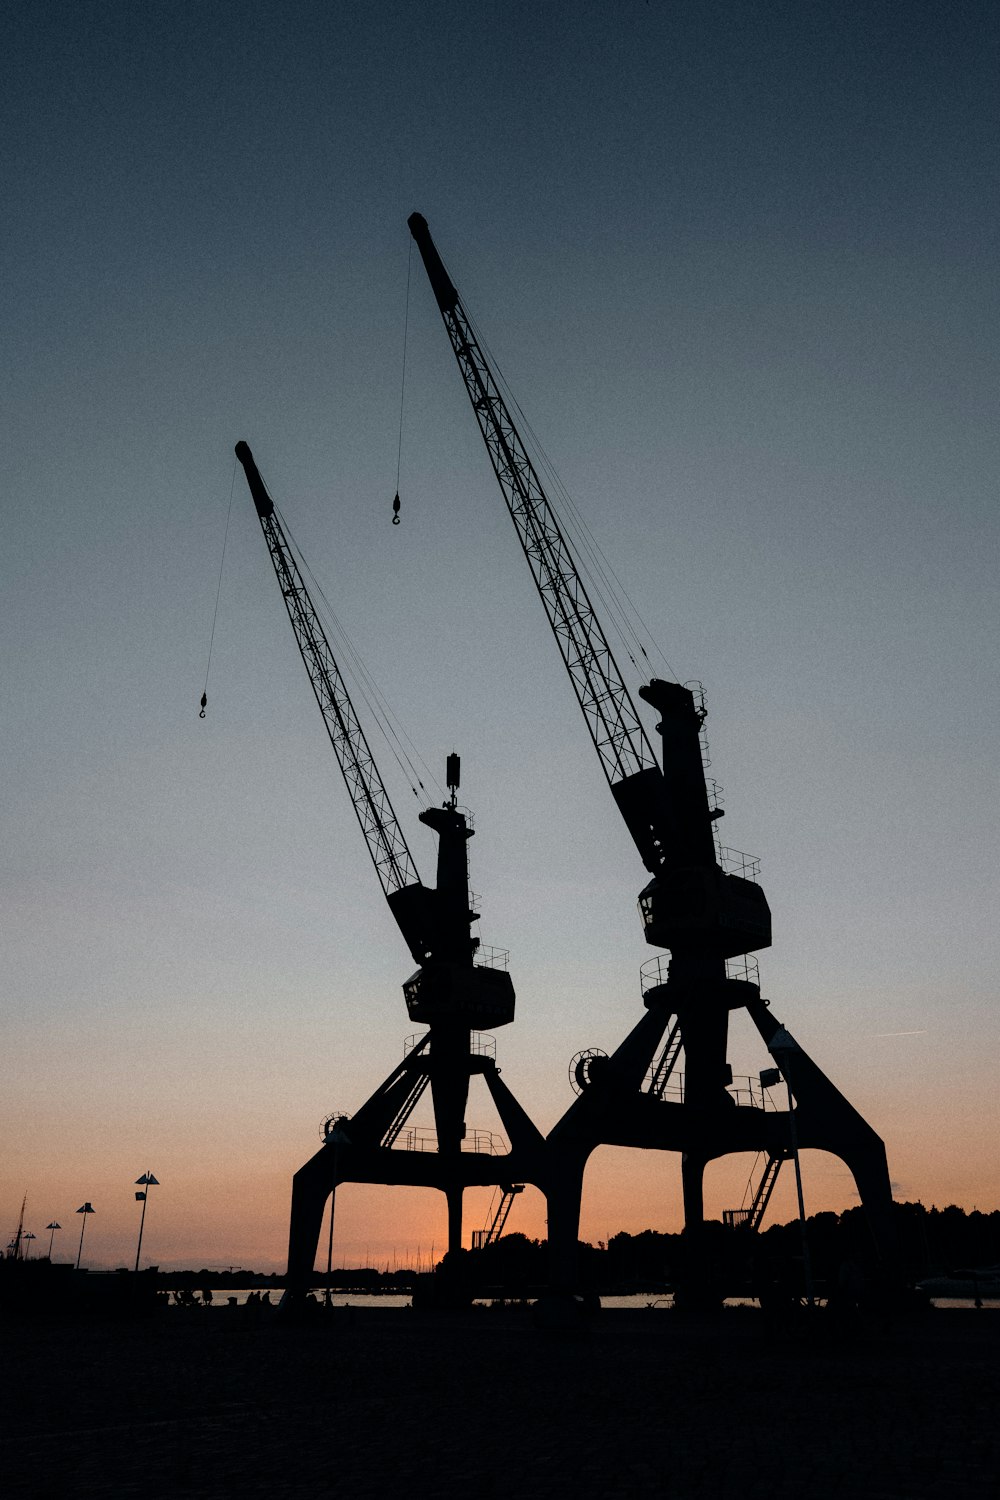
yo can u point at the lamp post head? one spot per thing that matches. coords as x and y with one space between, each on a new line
53 1225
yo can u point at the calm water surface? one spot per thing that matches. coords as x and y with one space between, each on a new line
221 1298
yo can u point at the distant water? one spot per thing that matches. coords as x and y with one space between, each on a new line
221 1296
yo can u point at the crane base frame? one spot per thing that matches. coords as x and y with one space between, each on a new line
355 1151
614 1110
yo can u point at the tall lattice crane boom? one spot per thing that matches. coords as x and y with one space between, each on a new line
614 725
383 835
690 901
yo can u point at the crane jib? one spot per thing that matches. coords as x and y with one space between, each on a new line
614 725
386 843
665 808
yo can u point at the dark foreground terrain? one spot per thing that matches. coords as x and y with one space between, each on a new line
483 1404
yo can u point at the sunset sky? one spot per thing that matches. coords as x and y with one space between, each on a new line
738 262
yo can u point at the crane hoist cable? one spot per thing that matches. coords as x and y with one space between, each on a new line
386 841
203 705
594 565
402 386
354 667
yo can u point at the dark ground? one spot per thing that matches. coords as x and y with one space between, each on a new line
482 1404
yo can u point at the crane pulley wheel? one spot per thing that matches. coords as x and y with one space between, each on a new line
584 1066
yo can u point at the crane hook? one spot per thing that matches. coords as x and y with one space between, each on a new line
204 701
395 510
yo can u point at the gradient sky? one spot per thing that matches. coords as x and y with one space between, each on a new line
738 261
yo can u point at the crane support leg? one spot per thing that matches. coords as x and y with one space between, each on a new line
564 1196
522 1132
454 1197
311 1186
869 1167
586 1124
696 1287
693 1191
359 1149
826 1121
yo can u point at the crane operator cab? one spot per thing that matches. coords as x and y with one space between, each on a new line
692 902
453 983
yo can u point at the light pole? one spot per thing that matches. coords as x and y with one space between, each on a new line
145 1182
87 1208
782 1044
53 1226
29 1237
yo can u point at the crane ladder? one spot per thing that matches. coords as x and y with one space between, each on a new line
750 1218
488 1236
664 1065
406 1109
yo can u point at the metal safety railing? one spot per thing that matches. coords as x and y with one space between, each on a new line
735 862
479 1142
481 1044
491 958
655 971
744 968
745 1089
697 691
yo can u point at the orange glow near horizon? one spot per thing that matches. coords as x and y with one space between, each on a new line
195 1224
750 326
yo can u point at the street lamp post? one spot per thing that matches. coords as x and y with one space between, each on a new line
27 1235
145 1182
781 1046
87 1208
53 1226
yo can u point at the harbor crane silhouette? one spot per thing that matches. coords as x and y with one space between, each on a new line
702 902
455 992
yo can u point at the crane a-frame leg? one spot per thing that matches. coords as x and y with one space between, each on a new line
615 1109
362 1149
826 1121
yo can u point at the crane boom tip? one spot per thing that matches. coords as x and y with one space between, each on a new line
441 282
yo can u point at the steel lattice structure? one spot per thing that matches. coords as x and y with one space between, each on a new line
615 728
386 844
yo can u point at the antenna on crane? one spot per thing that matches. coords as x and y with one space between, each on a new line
453 776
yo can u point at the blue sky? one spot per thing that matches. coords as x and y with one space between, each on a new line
738 263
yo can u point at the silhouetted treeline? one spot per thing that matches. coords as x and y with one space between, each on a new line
932 1241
